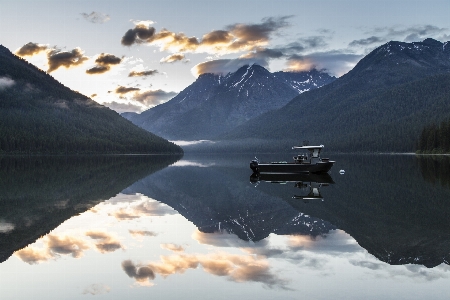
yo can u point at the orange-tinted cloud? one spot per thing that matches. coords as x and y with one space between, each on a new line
57 58
124 90
33 256
31 49
235 38
225 66
104 62
153 97
107 242
142 73
172 247
146 208
173 58
239 268
66 245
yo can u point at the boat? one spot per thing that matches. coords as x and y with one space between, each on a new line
303 163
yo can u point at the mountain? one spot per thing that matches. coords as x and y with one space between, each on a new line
215 104
380 105
40 115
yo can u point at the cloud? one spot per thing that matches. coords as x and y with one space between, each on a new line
142 73
141 233
238 268
139 34
31 49
146 208
66 245
234 38
54 246
124 90
33 256
96 17
153 97
5 83
98 70
107 242
366 42
123 107
57 58
335 242
225 66
334 62
97 289
104 62
172 247
173 58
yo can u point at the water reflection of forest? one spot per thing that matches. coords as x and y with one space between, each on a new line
38 193
435 169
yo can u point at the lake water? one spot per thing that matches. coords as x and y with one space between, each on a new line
201 227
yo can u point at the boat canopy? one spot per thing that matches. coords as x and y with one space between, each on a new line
315 150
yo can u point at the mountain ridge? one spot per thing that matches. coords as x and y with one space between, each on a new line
223 102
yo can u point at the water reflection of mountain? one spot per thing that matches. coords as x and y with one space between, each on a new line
383 202
221 197
39 193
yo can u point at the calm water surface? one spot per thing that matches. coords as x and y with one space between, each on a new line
203 228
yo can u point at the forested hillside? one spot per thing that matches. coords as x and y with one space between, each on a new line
435 138
40 115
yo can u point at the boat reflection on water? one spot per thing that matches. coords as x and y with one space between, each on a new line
309 183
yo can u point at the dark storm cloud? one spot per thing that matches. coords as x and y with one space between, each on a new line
96 17
138 34
123 90
31 49
142 73
57 58
367 41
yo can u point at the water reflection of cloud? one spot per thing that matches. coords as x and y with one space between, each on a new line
145 208
337 241
141 233
172 247
416 272
107 242
224 239
55 246
66 245
238 268
97 289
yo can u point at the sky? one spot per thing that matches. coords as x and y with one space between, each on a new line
133 55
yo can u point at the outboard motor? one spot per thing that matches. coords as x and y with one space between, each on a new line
254 166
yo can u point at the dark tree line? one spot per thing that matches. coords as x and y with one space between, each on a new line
435 138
